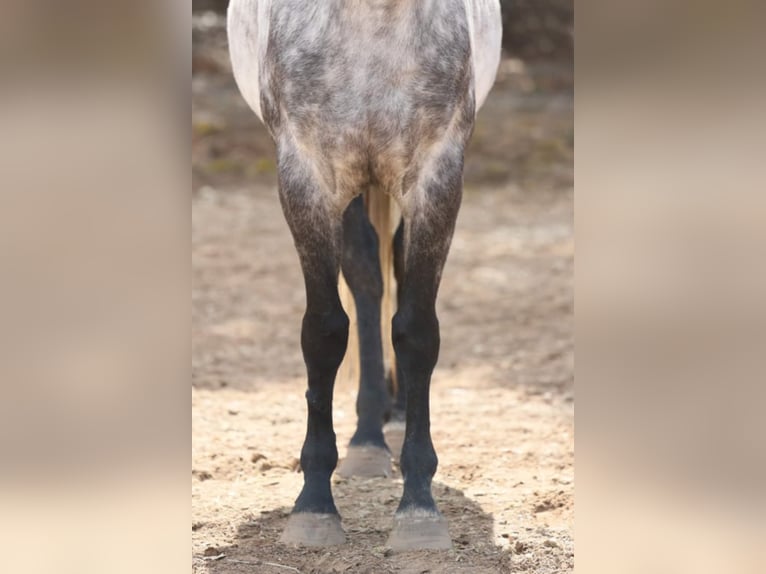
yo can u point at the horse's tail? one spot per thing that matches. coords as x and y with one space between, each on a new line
384 216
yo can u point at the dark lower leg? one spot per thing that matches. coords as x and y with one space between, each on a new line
361 268
315 520
324 337
416 340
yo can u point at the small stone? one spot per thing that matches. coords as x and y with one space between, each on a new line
201 475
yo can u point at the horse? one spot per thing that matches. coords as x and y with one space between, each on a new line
368 102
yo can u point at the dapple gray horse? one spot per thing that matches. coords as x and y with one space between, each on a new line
376 97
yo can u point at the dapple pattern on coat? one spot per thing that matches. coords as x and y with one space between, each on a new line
377 96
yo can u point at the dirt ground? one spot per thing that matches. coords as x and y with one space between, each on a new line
502 393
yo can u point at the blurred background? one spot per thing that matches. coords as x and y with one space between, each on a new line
505 309
533 29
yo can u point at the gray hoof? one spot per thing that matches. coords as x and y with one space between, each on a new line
419 530
365 461
309 529
394 435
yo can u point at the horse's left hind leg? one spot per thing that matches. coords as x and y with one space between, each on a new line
324 336
368 454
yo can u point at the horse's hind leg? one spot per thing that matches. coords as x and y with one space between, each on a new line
316 229
367 452
428 230
394 428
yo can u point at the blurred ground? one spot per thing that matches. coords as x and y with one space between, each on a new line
502 392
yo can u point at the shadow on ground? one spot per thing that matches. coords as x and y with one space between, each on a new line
367 507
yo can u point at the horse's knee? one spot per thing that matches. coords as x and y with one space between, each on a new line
324 338
415 334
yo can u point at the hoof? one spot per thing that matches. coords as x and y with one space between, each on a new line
309 529
394 433
419 530
366 461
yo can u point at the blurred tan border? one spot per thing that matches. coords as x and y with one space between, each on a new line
94 286
670 282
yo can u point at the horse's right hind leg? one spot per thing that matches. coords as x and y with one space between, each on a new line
368 454
429 224
316 230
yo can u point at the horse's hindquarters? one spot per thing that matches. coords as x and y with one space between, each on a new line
365 92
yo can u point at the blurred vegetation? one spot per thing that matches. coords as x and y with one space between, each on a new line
539 29
533 29
216 5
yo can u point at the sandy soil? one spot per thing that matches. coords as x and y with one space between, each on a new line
502 403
